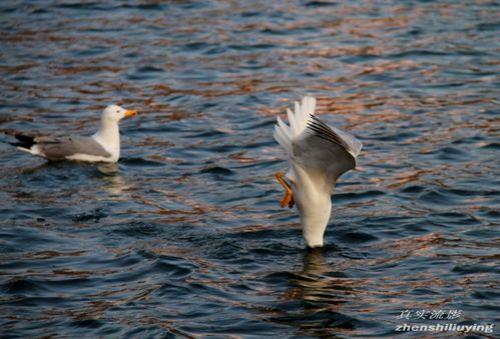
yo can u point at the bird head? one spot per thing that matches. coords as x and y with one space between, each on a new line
116 113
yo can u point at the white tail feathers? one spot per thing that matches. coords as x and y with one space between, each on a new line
285 134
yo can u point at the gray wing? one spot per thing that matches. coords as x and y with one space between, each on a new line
324 152
60 148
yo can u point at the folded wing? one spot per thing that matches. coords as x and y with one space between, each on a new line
60 148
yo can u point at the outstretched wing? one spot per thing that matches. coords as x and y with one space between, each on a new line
322 151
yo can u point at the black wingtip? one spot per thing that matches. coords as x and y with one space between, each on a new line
24 141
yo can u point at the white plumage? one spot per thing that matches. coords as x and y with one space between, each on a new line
103 146
318 155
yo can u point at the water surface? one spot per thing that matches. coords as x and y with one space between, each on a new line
184 236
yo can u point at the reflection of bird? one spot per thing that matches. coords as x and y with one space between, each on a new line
315 263
319 282
102 146
318 156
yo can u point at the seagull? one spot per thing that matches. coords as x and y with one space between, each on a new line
318 155
103 146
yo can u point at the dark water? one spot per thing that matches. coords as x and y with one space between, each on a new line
185 236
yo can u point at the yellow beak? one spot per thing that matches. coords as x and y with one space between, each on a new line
130 112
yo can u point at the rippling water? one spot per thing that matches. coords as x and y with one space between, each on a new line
185 236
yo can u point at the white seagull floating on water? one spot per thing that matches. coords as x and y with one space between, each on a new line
103 146
318 156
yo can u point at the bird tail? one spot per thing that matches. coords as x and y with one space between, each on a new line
24 142
284 134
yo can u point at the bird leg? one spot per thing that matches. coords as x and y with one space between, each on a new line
288 198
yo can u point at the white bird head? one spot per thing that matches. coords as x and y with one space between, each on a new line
116 113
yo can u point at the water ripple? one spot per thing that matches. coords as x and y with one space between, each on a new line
184 236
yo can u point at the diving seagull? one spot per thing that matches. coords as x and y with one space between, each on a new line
318 155
103 146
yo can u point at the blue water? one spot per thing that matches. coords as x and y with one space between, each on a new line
184 236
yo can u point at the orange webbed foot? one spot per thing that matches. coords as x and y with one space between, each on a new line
288 198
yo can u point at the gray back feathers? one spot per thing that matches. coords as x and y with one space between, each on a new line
60 148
